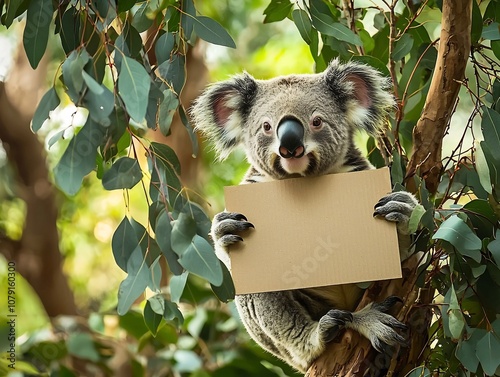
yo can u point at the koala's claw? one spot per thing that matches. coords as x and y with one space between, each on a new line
226 224
397 207
332 322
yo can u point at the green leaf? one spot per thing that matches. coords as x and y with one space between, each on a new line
142 20
36 31
124 174
482 217
177 285
455 231
477 23
151 319
491 32
403 47
397 175
172 312
133 87
125 5
79 157
303 23
199 258
173 72
466 350
124 243
187 15
12 7
226 291
93 85
101 105
157 303
190 130
70 30
55 138
495 47
490 125
456 321
494 248
277 10
211 31
163 47
481 166
488 352
49 102
82 346
135 283
72 69
420 371
163 231
167 110
183 231
415 217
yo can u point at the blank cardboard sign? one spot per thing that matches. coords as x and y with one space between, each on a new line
312 232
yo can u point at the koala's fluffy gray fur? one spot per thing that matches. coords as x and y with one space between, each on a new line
324 110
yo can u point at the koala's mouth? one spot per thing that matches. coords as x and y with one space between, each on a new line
302 166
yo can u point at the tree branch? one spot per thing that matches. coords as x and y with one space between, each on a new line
37 256
453 52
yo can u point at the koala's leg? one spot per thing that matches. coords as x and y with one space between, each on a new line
282 325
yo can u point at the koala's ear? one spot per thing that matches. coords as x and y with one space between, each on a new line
365 92
221 111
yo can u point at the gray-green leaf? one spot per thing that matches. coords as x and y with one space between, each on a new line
133 87
124 174
36 31
213 32
49 102
200 259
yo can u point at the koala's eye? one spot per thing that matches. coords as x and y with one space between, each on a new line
266 126
317 122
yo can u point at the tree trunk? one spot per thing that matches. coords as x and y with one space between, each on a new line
36 254
353 355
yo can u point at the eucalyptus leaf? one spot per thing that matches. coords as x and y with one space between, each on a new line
163 231
466 350
124 243
167 110
36 30
124 174
82 345
79 157
164 46
135 283
488 352
72 69
133 87
481 166
455 231
157 303
173 72
188 15
190 130
226 291
183 231
490 125
415 217
303 24
277 10
151 319
494 248
48 103
491 31
211 31
177 285
403 47
199 258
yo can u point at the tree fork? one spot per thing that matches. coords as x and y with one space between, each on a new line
353 354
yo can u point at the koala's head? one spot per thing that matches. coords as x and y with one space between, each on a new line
297 124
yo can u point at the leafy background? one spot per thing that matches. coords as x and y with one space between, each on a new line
149 291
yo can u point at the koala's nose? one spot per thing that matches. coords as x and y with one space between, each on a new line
290 135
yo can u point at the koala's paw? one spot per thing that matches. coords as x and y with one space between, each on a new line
397 207
378 326
225 227
332 322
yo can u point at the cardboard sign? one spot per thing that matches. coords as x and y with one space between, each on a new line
312 232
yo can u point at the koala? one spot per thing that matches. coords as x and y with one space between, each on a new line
293 126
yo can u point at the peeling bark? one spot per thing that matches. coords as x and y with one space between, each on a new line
37 255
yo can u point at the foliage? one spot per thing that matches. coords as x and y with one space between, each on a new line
107 70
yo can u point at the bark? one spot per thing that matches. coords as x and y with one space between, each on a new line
352 355
454 48
37 255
